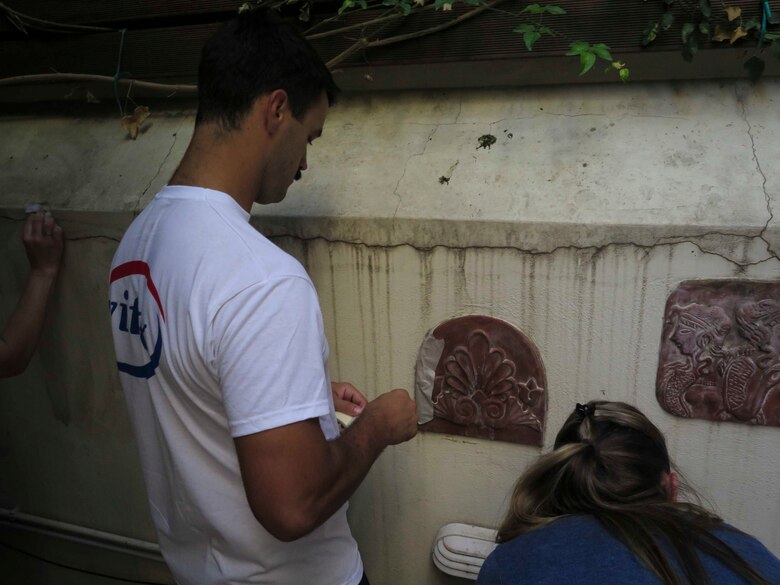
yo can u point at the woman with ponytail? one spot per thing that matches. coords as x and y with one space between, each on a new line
602 508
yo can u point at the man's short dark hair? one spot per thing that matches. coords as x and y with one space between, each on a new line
252 55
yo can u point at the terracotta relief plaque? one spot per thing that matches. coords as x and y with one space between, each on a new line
720 352
481 377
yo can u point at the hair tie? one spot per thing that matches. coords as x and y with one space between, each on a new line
585 409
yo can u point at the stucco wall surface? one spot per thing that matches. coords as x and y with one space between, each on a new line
575 225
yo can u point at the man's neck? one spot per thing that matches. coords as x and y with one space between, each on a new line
220 164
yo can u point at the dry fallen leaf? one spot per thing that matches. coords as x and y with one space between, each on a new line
738 33
132 123
733 12
721 34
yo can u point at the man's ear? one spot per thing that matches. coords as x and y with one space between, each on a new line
277 106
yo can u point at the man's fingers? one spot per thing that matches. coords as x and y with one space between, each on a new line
353 395
346 391
346 406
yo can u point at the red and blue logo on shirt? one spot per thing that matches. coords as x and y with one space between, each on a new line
135 305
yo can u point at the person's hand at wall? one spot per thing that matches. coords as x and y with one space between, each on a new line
393 416
43 243
347 399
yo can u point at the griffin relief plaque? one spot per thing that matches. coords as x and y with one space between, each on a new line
478 376
720 352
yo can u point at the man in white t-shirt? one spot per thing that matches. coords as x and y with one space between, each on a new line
220 343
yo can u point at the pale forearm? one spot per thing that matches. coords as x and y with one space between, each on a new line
21 333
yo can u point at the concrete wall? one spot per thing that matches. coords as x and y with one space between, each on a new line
577 223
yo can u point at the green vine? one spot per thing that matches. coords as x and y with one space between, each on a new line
719 22
530 26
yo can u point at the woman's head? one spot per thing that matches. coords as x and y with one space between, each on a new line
617 456
607 456
609 461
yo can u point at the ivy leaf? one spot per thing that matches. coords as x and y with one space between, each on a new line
650 33
350 4
587 60
733 12
704 28
602 51
755 68
524 28
577 48
721 34
705 8
544 30
737 34
687 31
624 74
751 24
690 48
530 38
667 20
538 9
406 8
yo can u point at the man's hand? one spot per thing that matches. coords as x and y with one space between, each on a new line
393 415
347 398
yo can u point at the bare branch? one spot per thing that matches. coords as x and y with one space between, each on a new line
366 44
85 77
434 29
49 25
379 20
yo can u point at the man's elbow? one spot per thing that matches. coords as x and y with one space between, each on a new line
286 523
12 367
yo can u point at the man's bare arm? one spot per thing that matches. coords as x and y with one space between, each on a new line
295 480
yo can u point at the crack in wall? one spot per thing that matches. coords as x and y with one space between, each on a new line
66 238
596 250
767 198
159 169
406 165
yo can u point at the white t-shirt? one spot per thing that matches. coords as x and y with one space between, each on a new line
218 334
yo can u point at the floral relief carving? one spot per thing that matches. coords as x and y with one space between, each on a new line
720 352
489 382
479 387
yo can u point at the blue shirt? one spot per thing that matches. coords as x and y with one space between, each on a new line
579 550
